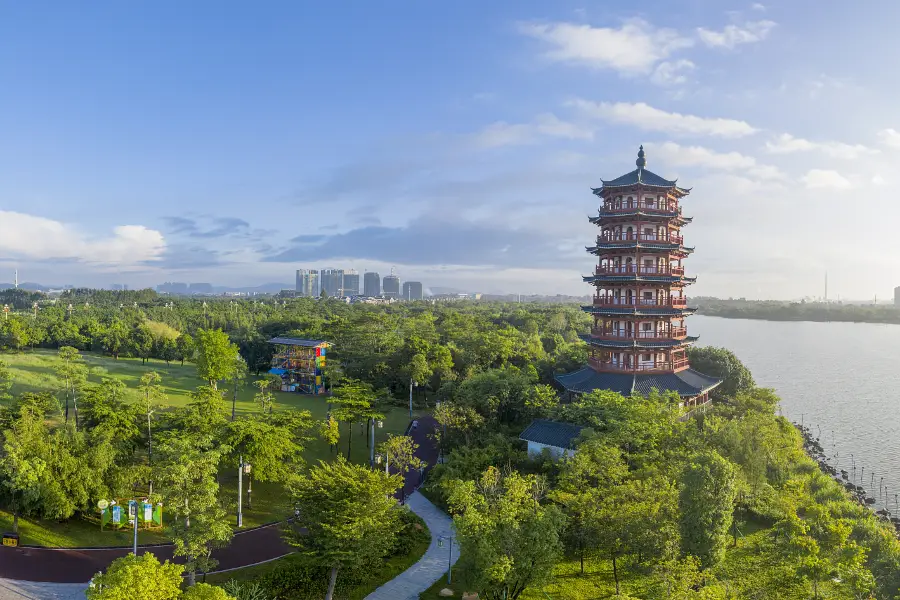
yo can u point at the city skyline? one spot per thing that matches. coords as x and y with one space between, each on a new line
480 182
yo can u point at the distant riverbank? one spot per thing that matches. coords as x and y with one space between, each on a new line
797 311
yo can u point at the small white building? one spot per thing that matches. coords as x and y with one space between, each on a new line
559 438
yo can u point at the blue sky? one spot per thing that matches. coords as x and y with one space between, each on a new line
233 143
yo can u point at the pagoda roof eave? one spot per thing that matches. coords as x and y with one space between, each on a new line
686 383
639 344
623 311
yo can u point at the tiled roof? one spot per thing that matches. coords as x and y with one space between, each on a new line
686 383
286 341
551 433
637 311
640 175
630 343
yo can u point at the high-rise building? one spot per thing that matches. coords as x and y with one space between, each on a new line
897 296
200 288
390 286
412 290
351 283
371 284
333 282
308 283
639 340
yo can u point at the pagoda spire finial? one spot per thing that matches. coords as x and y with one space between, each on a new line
641 162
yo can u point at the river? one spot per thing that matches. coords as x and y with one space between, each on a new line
842 380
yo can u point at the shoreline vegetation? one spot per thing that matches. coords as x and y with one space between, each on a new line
776 310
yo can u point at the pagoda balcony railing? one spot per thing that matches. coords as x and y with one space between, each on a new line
671 302
650 207
672 333
640 367
636 269
671 238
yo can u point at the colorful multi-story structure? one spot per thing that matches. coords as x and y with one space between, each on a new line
300 364
639 340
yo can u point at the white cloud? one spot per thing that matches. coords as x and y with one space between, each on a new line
824 178
698 156
502 133
672 72
734 35
890 137
648 118
787 144
634 48
38 238
877 179
758 6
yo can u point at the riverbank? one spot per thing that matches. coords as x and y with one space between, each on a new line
847 479
816 312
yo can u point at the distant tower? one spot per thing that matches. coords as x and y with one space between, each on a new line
390 286
826 286
17 279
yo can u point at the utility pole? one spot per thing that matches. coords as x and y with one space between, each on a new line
240 515
136 505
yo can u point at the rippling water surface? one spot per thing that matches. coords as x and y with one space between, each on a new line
840 379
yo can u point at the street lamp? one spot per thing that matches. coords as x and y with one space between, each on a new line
411 385
243 468
449 538
372 424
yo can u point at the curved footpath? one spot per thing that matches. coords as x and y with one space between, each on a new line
433 564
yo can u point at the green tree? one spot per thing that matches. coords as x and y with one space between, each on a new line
152 395
347 517
132 577
400 452
216 356
508 540
15 334
24 464
72 374
264 398
142 341
464 420
115 338
353 400
186 472
184 346
706 505
6 381
719 362
206 413
330 432
238 378
167 349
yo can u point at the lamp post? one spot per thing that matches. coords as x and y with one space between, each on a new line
449 538
242 468
134 545
379 423
411 385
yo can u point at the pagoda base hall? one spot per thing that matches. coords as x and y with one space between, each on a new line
639 340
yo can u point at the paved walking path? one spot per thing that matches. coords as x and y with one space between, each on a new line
28 590
433 564
70 565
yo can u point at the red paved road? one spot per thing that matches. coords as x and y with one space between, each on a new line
63 565
60 565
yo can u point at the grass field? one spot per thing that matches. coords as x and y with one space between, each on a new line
35 372
752 569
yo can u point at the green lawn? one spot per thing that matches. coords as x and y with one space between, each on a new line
35 372
752 569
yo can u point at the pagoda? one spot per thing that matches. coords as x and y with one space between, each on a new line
639 340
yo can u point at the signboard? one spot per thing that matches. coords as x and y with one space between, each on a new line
102 504
117 515
146 512
11 539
